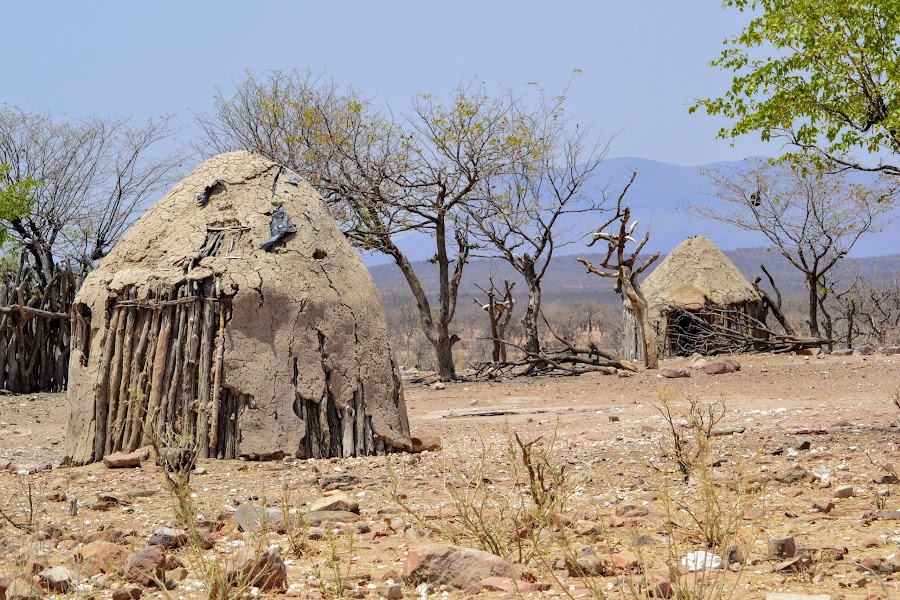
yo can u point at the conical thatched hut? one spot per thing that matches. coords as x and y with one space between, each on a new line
234 314
696 295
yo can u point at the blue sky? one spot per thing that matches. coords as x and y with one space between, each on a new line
642 61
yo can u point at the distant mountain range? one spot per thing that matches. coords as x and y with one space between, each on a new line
658 199
567 281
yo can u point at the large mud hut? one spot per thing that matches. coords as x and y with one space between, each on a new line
696 299
234 315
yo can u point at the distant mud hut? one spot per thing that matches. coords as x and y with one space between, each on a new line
235 315
699 301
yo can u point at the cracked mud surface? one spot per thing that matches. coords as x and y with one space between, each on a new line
608 434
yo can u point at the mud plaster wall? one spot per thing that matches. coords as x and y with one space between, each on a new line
306 341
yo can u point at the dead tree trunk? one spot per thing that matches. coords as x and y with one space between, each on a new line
620 265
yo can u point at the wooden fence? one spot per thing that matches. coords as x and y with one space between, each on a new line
35 330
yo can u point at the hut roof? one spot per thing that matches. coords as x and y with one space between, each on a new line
697 273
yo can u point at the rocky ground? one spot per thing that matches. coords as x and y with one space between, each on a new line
794 492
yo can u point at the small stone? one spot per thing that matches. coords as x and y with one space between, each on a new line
802 445
845 491
823 508
887 479
781 596
864 350
793 475
424 443
453 566
168 538
339 481
316 518
661 587
101 557
122 460
19 589
390 592
253 517
585 562
335 500
717 368
809 351
58 579
129 592
871 542
671 373
782 547
842 352
266 571
147 567
439 386
613 419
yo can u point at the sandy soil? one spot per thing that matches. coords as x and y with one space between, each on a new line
604 429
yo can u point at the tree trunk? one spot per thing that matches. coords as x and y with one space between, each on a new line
812 280
436 333
530 318
642 319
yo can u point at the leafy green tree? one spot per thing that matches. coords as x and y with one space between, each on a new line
15 199
822 74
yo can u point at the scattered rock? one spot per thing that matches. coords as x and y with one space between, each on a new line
505 584
809 351
129 592
842 352
122 460
58 579
253 517
424 443
701 560
864 350
316 518
845 491
265 571
19 589
101 557
586 562
337 482
802 445
335 500
871 542
886 479
168 538
147 567
782 547
673 373
390 592
794 474
614 418
697 362
441 564
718 368
661 587
890 350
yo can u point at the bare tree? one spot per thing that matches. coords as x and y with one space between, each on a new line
499 309
383 175
625 267
93 177
520 214
811 217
